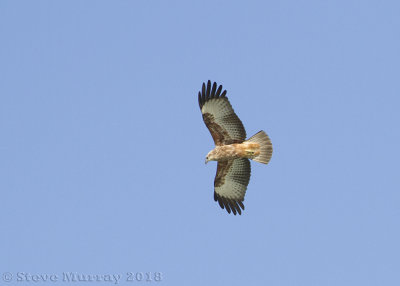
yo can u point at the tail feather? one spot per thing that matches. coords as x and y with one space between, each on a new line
265 147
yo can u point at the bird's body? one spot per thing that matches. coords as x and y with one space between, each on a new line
232 150
247 150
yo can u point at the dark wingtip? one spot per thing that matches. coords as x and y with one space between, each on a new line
200 102
214 87
237 207
227 207
221 204
208 90
241 204
218 91
230 205
208 93
202 97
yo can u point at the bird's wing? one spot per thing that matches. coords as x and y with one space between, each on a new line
230 184
218 115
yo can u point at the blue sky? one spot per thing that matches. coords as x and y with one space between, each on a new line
102 143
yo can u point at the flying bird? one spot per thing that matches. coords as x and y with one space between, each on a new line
232 150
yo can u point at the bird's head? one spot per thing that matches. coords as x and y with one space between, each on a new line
211 156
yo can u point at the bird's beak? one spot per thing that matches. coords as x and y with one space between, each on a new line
206 161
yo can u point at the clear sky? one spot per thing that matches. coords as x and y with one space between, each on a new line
102 143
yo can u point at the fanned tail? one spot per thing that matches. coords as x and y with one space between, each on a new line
265 147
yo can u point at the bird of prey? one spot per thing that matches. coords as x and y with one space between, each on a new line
232 150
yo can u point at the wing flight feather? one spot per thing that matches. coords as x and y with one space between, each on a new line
218 115
230 184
